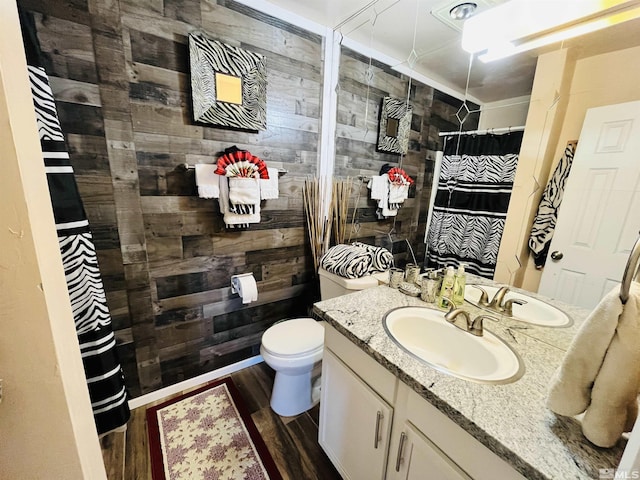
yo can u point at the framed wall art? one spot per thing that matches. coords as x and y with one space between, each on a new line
395 124
228 84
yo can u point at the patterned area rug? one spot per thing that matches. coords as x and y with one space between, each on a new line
207 434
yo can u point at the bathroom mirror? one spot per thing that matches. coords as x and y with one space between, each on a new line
220 96
395 124
228 88
499 90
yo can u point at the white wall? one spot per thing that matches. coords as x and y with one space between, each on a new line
46 424
511 112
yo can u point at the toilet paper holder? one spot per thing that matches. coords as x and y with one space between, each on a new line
245 286
233 286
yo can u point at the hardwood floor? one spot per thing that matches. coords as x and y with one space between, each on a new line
292 441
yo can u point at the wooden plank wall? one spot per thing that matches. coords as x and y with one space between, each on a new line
119 71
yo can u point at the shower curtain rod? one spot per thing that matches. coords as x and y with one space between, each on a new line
484 132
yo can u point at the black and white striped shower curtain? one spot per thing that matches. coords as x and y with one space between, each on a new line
470 208
103 372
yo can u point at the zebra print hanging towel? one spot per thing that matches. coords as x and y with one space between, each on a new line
545 222
105 379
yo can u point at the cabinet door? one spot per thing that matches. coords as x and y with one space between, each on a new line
354 422
417 458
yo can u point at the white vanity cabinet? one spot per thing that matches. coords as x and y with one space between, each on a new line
355 422
373 426
417 458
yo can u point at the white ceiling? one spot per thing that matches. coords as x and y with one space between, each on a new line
398 27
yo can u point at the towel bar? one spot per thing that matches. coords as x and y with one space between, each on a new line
630 271
186 166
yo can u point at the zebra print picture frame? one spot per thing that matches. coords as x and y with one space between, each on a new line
395 124
228 84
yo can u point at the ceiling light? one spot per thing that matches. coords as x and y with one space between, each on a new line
463 11
498 52
441 11
521 25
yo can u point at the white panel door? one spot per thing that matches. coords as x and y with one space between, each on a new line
355 423
599 217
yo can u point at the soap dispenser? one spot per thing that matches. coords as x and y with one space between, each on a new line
447 288
460 281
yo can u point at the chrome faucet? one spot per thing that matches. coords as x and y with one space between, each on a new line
452 315
477 325
507 308
498 303
484 297
474 327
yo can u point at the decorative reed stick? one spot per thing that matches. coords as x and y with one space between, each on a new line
340 207
318 223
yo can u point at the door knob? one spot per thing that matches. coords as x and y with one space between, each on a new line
556 255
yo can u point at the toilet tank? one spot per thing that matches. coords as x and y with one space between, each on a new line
332 285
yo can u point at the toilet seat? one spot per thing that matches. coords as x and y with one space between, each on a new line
297 337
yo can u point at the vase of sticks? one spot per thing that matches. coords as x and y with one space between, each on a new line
326 205
340 195
314 194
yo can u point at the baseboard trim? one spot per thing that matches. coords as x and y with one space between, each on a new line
193 382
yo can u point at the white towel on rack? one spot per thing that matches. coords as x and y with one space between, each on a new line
223 198
269 186
601 370
236 219
244 191
379 186
207 181
385 209
380 190
231 219
398 193
388 212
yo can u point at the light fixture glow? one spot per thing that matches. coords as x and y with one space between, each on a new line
521 25
503 51
498 51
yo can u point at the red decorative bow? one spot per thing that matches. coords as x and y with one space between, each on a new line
241 163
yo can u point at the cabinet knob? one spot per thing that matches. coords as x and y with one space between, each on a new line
403 438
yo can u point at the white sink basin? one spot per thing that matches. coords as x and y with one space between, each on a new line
424 333
534 311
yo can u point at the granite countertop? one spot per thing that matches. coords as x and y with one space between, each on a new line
511 420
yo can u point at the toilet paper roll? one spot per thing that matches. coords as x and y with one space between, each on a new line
245 286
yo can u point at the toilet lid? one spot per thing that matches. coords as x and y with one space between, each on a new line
294 337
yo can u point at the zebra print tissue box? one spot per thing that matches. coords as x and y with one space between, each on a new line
228 84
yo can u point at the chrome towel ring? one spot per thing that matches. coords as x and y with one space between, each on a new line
630 271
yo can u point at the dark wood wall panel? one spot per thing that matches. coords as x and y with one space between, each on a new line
119 71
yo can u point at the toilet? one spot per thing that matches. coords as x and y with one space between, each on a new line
293 348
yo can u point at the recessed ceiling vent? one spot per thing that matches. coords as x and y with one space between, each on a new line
443 11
